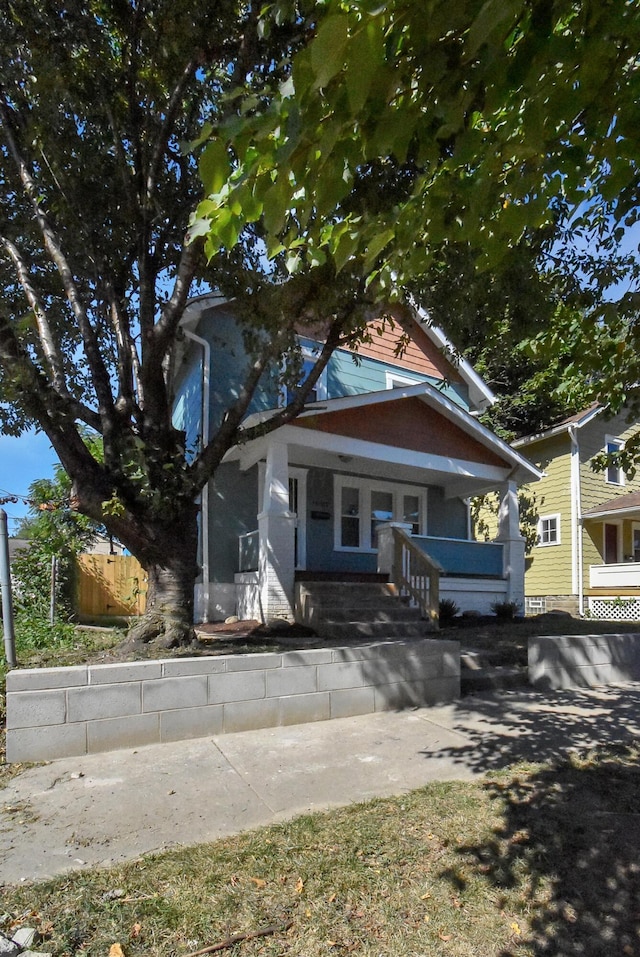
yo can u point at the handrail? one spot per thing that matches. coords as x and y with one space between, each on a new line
416 575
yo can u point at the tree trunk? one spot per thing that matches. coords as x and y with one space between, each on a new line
168 619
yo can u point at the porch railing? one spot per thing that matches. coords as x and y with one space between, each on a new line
463 558
415 574
248 552
621 575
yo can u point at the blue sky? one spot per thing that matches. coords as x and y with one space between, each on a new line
22 461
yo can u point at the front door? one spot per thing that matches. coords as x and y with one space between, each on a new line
611 544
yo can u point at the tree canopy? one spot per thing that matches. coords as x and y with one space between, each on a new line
406 130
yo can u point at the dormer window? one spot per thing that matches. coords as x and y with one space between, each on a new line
319 392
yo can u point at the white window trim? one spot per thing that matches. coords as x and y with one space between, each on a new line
311 354
546 518
395 380
365 486
619 444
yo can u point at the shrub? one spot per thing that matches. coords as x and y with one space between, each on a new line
447 610
505 610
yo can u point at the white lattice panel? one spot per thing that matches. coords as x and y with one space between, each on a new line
615 609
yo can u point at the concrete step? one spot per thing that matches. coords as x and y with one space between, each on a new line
373 629
379 613
497 678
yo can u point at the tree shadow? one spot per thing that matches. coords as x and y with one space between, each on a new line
566 856
501 729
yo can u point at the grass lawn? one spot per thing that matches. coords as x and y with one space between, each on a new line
535 860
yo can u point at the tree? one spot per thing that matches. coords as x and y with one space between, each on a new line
98 103
493 122
55 532
334 174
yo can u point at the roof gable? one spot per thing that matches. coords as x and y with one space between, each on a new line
406 423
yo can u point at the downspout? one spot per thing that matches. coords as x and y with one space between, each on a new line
576 519
206 392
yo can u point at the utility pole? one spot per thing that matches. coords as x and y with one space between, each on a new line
7 601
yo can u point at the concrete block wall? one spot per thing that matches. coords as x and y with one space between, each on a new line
61 712
583 661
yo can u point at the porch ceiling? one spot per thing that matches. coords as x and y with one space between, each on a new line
412 434
337 453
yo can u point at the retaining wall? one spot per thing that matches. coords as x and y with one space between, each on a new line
583 661
60 712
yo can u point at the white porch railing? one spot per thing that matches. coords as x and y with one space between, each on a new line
619 576
415 575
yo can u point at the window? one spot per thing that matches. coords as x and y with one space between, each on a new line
319 392
395 380
549 530
362 506
614 474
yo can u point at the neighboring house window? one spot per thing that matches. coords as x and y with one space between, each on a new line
614 474
549 530
319 392
362 506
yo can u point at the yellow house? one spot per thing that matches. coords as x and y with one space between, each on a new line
587 557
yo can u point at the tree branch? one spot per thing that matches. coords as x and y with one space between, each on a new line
46 339
52 244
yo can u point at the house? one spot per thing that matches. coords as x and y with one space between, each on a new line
388 451
587 557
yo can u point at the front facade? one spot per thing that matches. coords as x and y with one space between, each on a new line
385 441
587 557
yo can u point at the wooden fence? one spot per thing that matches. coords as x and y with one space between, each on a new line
110 585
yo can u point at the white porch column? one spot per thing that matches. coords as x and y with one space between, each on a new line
276 526
513 544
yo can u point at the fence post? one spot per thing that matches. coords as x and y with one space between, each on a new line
7 601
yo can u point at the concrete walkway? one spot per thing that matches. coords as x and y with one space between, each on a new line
105 808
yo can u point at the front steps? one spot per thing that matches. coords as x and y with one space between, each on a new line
355 609
479 673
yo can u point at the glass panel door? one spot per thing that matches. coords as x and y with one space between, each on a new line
350 517
381 511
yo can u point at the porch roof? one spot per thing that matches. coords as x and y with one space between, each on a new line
406 432
623 506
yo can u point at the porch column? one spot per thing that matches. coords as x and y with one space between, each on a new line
513 544
276 527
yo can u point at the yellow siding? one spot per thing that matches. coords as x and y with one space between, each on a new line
595 488
548 567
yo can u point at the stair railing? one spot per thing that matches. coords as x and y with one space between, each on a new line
415 574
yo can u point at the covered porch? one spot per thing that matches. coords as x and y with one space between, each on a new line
378 484
613 589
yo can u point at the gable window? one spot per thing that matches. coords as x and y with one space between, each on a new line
319 391
549 530
362 506
614 474
395 380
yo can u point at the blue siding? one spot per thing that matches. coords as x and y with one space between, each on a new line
187 411
346 377
464 558
446 517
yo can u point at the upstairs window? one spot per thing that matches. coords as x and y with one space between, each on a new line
549 530
614 474
319 392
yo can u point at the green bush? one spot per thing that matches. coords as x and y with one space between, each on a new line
447 610
505 610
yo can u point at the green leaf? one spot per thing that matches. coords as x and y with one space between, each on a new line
491 18
328 48
214 166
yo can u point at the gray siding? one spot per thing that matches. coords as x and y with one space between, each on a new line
233 510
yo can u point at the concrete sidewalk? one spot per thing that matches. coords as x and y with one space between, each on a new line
104 808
